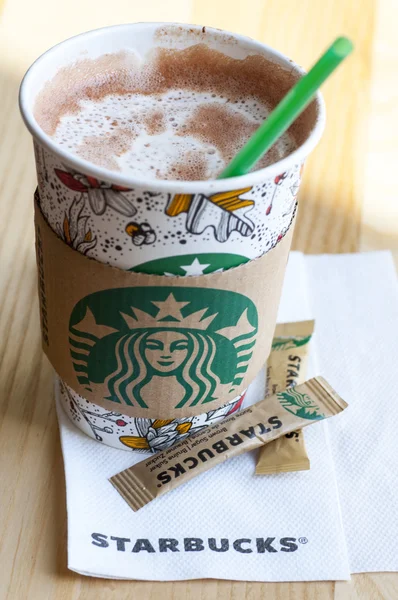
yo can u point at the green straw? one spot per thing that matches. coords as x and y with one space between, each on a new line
289 108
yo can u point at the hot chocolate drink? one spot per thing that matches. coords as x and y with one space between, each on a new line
178 114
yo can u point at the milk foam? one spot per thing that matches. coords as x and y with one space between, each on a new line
146 136
129 118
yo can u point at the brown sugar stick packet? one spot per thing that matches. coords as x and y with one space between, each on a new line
286 367
267 420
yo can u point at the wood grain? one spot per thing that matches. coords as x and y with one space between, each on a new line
347 202
380 206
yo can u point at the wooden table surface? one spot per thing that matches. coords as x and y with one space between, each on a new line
348 203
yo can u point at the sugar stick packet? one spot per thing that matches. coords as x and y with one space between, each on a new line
267 420
286 367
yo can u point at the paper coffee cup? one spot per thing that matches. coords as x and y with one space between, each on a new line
161 227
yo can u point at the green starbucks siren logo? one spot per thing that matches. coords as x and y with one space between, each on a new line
300 405
193 343
287 343
201 263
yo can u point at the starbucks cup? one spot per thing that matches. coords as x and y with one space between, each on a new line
167 228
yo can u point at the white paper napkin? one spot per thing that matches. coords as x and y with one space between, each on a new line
355 303
284 527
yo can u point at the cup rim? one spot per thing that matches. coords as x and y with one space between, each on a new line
161 185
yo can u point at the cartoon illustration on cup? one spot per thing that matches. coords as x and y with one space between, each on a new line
224 212
140 233
100 194
74 229
140 435
278 180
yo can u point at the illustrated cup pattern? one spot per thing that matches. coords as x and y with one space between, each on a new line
148 231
